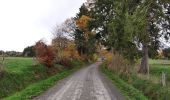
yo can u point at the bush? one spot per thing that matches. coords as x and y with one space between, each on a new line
44 54
118 64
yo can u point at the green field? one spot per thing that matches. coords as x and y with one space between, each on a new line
19 73
159 66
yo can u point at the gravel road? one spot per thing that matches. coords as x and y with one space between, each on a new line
86 84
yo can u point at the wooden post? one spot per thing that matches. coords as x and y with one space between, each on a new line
148 72
34 61
163 79
2 65
3 58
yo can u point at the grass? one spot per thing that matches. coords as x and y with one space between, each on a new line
37 88
128 91
150 87
159 61
158 67
21 73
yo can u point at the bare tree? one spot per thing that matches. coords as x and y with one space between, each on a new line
62 35
66 29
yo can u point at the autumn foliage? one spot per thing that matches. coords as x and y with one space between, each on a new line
116 63
82 23
65 51
44 54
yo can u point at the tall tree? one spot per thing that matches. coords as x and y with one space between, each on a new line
154 17
84 38
101 14
128 25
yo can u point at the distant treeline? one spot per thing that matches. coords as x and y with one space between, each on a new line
10 53
27 52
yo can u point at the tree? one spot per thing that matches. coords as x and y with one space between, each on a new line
79 36
44 54
101 15
29 51
152 31
63 34
128 25
121 37
84 38
111 20
66 29
80 41
59 44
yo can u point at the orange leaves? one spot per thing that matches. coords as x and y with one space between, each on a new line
44 54
82 23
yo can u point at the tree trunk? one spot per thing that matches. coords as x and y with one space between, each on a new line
144 67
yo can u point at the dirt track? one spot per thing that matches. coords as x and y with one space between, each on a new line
86 84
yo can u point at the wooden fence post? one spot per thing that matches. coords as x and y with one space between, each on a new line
163 79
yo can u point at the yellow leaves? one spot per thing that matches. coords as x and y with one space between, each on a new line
82 23
69 52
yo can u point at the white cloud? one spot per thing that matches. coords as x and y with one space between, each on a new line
23 22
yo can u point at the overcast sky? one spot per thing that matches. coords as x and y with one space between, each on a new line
23 22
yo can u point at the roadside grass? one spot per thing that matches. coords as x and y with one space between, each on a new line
149 86
39 87
22 72
128 91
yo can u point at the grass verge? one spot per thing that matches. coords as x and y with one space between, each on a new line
39 87
21 73
128 91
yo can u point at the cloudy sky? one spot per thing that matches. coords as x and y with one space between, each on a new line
23 22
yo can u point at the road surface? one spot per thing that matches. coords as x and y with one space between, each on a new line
86 84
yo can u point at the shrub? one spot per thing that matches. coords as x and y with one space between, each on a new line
118 64
44 54
65 53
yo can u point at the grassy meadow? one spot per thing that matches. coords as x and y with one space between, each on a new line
19 73
159 66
